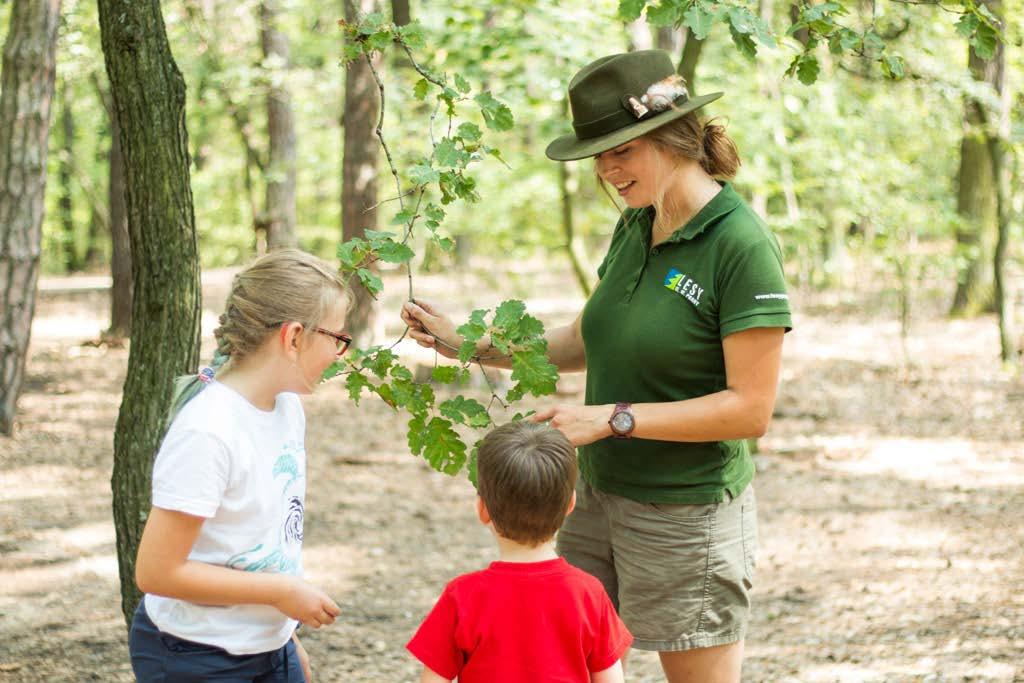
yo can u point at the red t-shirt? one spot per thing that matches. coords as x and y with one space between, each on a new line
535 622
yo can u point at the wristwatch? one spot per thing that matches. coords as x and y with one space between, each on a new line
622 421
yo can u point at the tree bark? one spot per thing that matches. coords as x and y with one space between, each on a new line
280 176
692 48
120 242
149 100
400 12
65 203
359 169
977 200
26 93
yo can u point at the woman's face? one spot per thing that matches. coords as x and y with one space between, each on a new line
636 169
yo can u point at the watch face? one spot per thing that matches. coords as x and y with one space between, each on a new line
622 422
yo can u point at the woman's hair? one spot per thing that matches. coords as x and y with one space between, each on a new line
285 285
705 142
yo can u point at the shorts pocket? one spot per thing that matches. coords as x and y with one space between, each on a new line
683 513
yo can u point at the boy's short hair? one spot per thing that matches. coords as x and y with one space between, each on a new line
526 474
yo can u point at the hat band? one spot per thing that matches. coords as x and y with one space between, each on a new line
603 125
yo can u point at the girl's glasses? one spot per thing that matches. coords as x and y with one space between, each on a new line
343 339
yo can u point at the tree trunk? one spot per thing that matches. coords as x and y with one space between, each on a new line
359 169
65 205
400 12
149 100
120 243
977 201
280 205
26 92
692 47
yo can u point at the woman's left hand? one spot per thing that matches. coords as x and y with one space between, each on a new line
580 424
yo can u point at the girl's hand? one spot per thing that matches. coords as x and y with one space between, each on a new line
580 424
426 322
303 658
307 603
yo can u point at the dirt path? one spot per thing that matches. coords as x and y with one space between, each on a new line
890 496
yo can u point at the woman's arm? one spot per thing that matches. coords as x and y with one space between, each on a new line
742 410
163 568
433 329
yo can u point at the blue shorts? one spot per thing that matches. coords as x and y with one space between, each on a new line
159 657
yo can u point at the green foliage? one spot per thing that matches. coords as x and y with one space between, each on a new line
446 172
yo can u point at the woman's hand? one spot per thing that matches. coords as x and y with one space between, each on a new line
307 671
580 424
426 322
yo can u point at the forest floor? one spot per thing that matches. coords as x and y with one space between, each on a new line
890 488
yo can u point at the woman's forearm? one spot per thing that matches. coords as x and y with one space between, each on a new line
721 416
565 350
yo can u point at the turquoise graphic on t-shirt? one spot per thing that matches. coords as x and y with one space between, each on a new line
284 556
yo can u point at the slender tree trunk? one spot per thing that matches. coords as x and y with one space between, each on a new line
65 204
280 204
359 168
977 201
120 242
692 48
26 93
400 12
149 100
568 230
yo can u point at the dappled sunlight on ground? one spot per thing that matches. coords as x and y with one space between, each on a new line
890 491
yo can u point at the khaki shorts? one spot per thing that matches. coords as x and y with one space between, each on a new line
679 575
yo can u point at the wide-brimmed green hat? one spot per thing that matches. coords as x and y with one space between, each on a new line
609 107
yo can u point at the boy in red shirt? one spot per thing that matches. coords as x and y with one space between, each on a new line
529 617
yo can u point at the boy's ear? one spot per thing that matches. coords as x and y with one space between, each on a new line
289 337
572 504
481 511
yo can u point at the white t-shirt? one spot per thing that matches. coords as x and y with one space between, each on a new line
244 470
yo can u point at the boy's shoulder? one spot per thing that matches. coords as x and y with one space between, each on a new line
550 572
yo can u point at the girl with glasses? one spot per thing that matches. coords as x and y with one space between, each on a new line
220 558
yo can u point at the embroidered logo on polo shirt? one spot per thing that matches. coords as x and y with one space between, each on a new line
680 283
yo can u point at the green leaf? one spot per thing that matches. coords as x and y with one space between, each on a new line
808 68
351 51
412 34
394 252
445 243
698 20
446 374
434 212
465 411
743 42
401 372
469 132
370 280
497 115
466 351
352 253
355 383
379 40
509 313
423 174
893 66
663 14
630 10
372 23
967 25
534 372
446 153
461 84
419 91
985 42
380 362
443 448
417 435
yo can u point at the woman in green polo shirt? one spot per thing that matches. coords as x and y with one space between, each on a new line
682 341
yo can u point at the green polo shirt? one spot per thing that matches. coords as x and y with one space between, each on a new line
653 331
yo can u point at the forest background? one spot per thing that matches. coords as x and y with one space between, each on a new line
887 166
